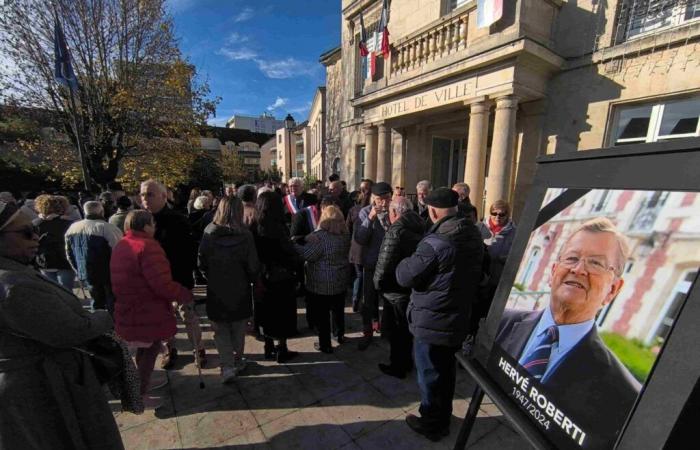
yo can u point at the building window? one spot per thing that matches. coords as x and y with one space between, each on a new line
657 122
639 17
671 308
279 138
454 4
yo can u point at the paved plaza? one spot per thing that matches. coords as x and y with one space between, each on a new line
317 401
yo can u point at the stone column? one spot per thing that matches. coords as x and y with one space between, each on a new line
498 187
384 154
475 165
371 152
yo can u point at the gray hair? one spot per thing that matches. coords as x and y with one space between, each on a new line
604 225
400 205
93 208
295 180
464 187
201 202
424 184
157 184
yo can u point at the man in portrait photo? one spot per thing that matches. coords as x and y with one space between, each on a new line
560 346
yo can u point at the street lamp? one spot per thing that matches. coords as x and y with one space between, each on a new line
289 125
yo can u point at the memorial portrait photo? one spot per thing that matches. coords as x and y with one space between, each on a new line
595 297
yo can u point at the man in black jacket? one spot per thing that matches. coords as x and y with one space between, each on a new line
444 273
400 241
174 234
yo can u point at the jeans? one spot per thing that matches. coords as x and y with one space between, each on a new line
102 296
436 370
145 362
357 285
370 301
65 278
394 323
325 307
229 338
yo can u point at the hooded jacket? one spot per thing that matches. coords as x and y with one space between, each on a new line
229 261
444 274
400 241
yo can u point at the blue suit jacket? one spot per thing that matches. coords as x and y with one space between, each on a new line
590 385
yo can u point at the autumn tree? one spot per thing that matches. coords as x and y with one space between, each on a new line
139 103
232 167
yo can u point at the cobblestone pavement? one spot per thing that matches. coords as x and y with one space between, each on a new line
316 401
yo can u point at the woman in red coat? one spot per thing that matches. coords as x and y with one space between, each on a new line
144 289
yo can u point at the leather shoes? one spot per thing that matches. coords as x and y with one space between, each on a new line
392 371
432 433
169 359
318 348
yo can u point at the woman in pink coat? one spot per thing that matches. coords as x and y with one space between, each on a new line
144 291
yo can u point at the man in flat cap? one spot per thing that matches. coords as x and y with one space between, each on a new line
372 223
444 274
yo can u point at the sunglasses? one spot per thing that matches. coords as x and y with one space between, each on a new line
499 214
27 232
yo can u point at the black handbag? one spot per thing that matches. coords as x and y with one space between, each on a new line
106 356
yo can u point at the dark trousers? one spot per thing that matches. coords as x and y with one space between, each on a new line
395 324
357 284
325 308
370 300
436 370
102 297
145 362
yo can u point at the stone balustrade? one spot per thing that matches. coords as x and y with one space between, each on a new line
446 38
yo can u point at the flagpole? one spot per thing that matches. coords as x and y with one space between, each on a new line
77 140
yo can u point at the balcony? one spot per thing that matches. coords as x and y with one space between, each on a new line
434 44
299 158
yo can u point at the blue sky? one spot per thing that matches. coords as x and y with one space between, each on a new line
259 56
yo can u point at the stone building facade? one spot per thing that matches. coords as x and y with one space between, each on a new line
457 102
316 148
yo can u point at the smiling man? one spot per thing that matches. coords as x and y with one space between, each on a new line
560 346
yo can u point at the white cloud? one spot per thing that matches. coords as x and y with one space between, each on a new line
302 110
244 54
285 68
236 38
177 6
279 102
245 14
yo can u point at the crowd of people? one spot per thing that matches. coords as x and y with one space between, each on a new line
420 273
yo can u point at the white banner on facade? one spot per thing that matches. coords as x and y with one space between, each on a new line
488 12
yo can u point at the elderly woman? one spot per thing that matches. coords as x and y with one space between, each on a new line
49 392
229 261
51 257
327 274
144 291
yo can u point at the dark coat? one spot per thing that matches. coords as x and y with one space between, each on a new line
300 227
369 234
327 268
589 385
400 241
499 250
422 211
465 207
174 233
52 243
345 202
49 395
229 261
444 274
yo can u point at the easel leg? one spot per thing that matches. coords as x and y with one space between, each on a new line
469 419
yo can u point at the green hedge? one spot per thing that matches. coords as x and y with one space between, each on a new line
633 354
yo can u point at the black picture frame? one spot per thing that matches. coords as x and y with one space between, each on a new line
668 166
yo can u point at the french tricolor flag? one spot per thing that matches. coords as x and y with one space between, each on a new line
488 12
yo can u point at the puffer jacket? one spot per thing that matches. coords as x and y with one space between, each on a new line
444 274
144 289
229 261
400 241
89 244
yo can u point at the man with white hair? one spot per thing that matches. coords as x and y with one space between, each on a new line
423 188
89 244
174 234
297 198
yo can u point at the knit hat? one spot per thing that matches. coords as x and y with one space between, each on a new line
442 198
381 188
8 212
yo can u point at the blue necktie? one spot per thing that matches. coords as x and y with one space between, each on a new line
536 362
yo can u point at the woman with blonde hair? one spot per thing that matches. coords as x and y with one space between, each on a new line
327 274
52 226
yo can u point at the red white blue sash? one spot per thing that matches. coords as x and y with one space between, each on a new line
313 216
290 202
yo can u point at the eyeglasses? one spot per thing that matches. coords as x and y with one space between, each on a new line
499 214
593 264
27 232
399 188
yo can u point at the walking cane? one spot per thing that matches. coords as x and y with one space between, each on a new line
195 346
